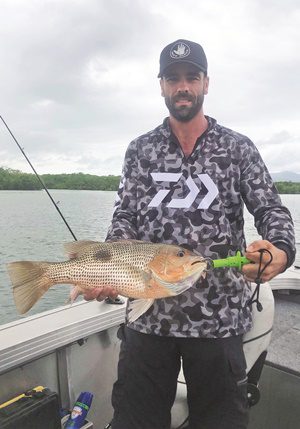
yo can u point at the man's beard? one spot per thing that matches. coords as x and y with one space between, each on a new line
184 113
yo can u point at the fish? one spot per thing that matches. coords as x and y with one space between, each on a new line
141 270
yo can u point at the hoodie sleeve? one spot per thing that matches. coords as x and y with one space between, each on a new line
123 224
272 219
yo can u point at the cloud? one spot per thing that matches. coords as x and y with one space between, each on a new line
78 78
281 138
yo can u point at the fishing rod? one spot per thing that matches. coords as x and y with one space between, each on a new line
39 178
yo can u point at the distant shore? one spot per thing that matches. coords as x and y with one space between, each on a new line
16 180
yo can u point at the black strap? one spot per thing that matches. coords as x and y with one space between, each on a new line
255 296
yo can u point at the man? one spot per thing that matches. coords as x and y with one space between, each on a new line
185 182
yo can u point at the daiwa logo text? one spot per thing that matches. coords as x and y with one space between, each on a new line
212 191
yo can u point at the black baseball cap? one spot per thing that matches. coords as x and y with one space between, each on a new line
182 51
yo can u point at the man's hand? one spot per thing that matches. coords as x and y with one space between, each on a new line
277 265
100 293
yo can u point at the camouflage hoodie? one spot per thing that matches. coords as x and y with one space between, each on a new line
197 201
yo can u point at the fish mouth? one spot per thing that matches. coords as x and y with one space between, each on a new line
198 262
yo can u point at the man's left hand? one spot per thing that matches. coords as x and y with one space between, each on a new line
277 265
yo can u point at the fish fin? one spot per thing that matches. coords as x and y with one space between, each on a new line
146 275
75 291
182 286
138 307
29 283
75 249
128 240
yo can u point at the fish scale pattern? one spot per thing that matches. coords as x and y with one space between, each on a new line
122 267
198 202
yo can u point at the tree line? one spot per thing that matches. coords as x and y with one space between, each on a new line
288 187
17 180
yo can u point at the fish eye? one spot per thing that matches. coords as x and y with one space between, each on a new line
181 253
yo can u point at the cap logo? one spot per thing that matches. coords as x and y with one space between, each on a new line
180 50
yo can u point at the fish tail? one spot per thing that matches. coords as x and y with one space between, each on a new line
29 282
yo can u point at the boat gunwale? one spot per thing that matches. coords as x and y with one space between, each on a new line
26 340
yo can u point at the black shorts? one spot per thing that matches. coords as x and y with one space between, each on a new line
215 374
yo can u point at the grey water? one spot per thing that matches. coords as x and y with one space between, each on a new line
31 229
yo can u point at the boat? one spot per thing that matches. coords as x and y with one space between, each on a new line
75 348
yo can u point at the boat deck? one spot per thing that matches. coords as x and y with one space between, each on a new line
278 407
284 349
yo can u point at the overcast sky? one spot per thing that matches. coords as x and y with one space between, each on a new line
78 77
